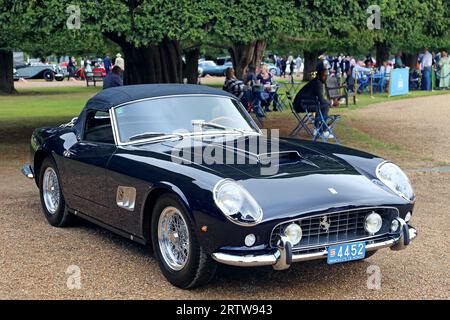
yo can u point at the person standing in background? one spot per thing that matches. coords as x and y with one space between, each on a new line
292 68
71 68
120 62
298 64
444 71
398 61
88 68
427 62
283 66
107 64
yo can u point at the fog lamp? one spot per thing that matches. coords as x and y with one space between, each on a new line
250 240
408 216
395 225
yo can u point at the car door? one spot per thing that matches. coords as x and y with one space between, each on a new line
85 166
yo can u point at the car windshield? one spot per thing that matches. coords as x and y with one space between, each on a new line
182 114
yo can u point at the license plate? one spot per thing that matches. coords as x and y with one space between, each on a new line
346 252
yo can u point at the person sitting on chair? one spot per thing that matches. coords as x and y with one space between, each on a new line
314 90
232 84
238 88
265 78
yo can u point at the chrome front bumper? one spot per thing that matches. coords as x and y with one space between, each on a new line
27 171
283 257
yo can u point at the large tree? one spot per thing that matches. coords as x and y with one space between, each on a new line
410 25
329 26
149 33
246 26
11 35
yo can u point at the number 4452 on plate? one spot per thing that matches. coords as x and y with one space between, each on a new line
346 252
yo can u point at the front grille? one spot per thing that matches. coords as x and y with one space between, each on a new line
329 228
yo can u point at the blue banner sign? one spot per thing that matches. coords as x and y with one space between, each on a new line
399 84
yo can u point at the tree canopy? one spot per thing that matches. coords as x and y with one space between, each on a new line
154 35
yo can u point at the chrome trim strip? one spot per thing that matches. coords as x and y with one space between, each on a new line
329 213
112 116
116 129
246 261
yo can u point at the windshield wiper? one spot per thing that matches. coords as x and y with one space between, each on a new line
149 135
206 124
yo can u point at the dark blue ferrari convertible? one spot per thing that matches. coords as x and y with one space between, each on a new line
186 169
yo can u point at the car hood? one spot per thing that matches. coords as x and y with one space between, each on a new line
305 180
246 157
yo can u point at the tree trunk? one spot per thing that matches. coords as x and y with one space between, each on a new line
410 60
191 69
260 47
6 72
160 63
311 58
382 52
243 54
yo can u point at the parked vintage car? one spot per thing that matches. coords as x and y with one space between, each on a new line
119 165
209 67
47 72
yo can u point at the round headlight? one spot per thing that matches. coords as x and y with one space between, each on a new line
229 198
236 203
373 223
294 233
395 179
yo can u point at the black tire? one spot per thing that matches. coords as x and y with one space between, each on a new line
200 268
49 75
61 217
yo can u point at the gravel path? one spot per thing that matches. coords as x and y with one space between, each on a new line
419 125
34 256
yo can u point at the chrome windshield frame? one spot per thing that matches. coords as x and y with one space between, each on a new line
115 126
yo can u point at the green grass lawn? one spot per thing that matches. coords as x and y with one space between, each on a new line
38 107
43 106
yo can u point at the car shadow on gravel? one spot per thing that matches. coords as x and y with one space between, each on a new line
315 273
305 274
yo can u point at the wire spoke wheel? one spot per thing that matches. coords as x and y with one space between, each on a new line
50 190
173 238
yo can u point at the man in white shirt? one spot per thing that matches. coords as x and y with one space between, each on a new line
427 62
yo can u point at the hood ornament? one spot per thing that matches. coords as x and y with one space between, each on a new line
332 190
324 224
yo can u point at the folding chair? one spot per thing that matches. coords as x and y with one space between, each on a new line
277 103
271 98
303 122
378 82
363 83
327 124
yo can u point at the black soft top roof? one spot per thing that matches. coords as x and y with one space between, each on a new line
112 97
